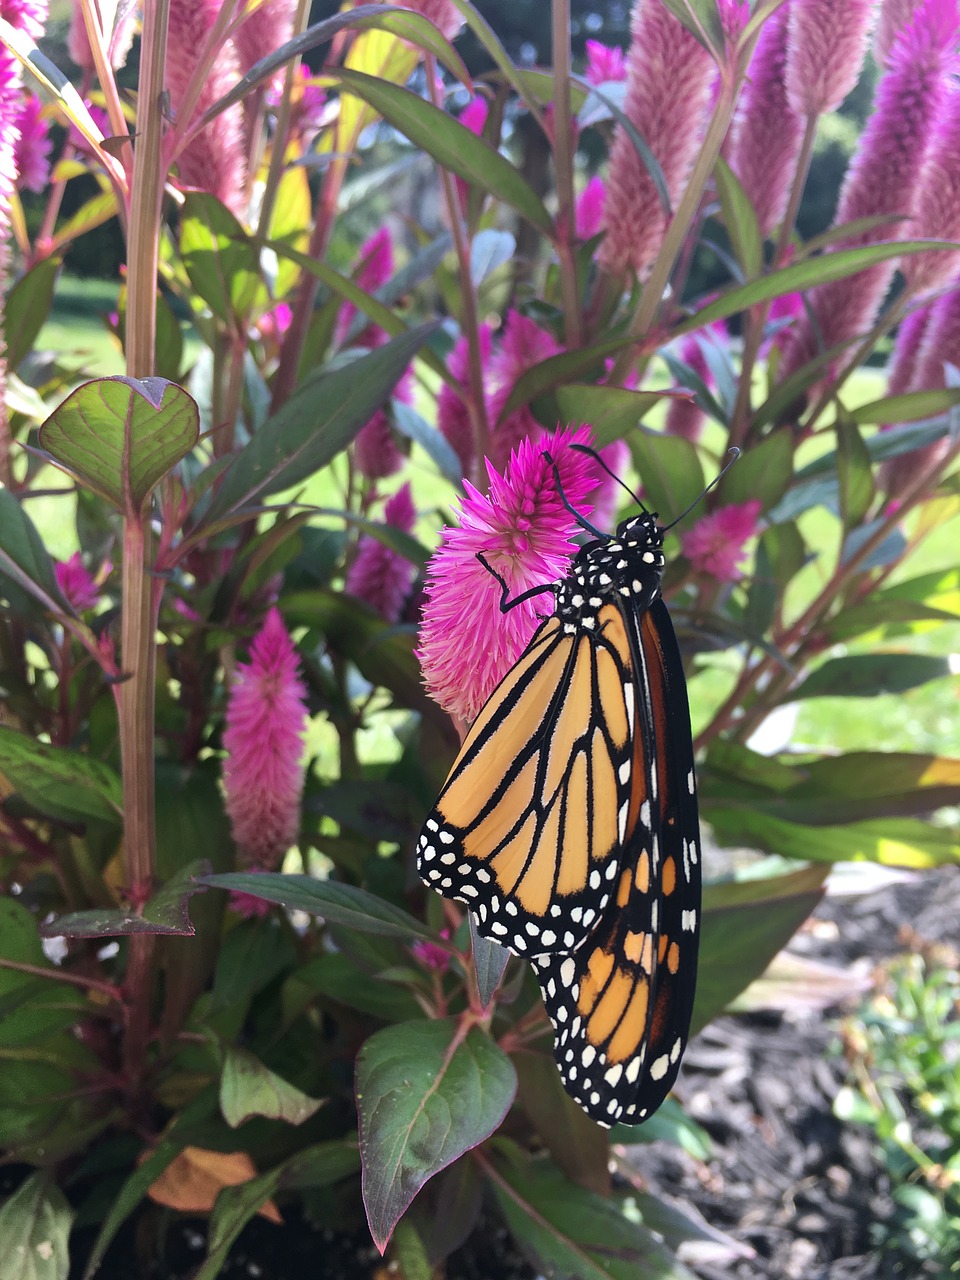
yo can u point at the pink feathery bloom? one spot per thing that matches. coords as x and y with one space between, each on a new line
894 16
608 495
472 117
939 347
119 25
826 45
376 450
715 544
906 351
215 160
374 269
268 27
884 173
522 345
605 62
440 12
526 534
32 155
432 956
453 416
76 583
668 89
767 131
784 311
379 575
28 16
589 211
265 724
307 103
936 214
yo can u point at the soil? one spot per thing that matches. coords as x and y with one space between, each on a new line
790 1192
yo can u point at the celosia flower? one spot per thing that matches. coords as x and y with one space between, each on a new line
440 12
827 43
525 532
374 270
902 365
522 345
767 131
472 117
937 206
668 89
76 583
269 26
894 16
249 905
215 160
430 955
32 156
883 175
715 544
265 724
307 102
453 417
604 63
376 450
119 25
379 575
589 210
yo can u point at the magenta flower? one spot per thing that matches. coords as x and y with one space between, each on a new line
376 450
715 544
472 117
215 160
440 12
522 345
307 103
374 269
453 417
76 584
379 575
767 131
894 16
668 90
265 724
937 206
589 210
269 26
32 156
522 527
827 43
604 63
884 174
902 366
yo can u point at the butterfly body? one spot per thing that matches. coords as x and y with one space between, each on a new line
568 826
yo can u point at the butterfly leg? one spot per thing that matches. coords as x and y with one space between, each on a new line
506 604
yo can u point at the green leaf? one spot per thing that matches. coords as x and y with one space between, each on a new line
248 1088
489 961
854 471
27 306
866 674
336 977
744 924
34 1229
252 955
912 406
165 913
220 259
669 1123
316 423
740 219
23 557
565 367
702 19
569 1232
35 1009
426 1093
449 142
762 471
670 472
578 1146
338 903
880 613
60 782
611 411
119 436
416 428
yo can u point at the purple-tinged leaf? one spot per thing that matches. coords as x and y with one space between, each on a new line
426 1093
60 783
165 913
489 962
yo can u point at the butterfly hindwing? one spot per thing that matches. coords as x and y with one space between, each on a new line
526 829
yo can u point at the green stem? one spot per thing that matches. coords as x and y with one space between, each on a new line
563 165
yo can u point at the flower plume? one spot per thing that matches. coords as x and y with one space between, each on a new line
379 575
715 544
827 45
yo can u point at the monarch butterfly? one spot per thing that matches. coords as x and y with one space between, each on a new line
568 823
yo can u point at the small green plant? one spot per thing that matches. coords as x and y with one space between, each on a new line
904 1049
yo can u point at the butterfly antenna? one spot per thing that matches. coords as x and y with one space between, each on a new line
585 448
580 519
713 483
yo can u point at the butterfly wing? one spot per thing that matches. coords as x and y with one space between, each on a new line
621 1004
527 829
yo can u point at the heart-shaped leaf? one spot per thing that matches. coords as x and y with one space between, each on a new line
249 1088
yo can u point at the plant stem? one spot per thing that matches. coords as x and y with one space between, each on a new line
58 975
563 165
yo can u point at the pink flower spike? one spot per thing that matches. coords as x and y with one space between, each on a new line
522 345
827 44
76 584
604 63
33 146
589 210
379 575
265 724
440 12
374 270
902 365
430 955
715 544
937 208
525 532
269 26
472 117
249 905
453 417
894 16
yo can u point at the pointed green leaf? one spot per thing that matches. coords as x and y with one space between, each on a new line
27 306
23 557
855 473
579 1146
316 423
425 1094
338 903
670 472
119 436
61 783
740 219
611 411
220 258
568 366
450 144
763 471
165 913
912 406
34 1229
249 1088
489 961
866 674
